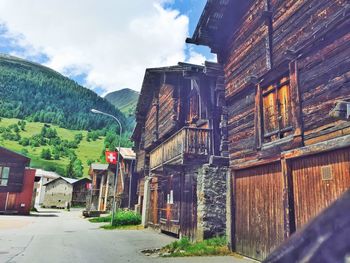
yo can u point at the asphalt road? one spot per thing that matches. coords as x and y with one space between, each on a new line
60 236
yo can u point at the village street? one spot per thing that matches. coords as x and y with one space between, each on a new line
61 236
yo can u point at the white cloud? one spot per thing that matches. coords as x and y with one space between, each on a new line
111 41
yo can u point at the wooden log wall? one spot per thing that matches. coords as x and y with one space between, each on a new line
151 124
321 36
307 41
316 34
140 160
168 106
246 58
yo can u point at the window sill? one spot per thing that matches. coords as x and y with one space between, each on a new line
278 142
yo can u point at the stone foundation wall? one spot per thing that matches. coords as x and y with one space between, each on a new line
211 201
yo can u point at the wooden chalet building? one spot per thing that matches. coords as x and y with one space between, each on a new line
287 66
81 191
180 149
102 187
16 183
127 183
101 195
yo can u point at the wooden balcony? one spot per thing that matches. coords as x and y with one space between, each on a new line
187 144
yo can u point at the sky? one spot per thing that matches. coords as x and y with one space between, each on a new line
104 45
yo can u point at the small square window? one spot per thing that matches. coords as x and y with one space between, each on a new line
4 176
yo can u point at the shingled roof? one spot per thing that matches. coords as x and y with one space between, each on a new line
127 153
219 18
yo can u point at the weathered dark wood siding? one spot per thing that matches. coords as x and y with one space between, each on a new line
151 124
140 160
259 221
167 109
319 34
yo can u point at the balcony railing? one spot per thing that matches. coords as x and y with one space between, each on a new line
192 141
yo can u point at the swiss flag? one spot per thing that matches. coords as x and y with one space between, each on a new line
111 157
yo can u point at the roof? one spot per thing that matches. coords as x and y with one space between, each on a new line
14 154
82 179
150 87
218 20
68 180
127 153
46 174
99 166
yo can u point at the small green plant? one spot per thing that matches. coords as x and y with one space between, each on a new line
123 218
184 248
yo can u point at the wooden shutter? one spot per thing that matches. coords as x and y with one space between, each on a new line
284 106
269 113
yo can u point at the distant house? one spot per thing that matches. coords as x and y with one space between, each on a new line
127 182
42 177
16 182
102 187
81 190
59 192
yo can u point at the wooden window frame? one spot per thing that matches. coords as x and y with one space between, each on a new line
195 94
289 70
2 178
274 88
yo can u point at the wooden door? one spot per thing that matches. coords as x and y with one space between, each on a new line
171 203
318 180
153 217
11 201
3 197
188 213
259 217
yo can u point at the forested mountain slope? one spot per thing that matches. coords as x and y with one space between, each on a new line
125 100
36 93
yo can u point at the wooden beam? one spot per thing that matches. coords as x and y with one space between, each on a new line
288 200
330 145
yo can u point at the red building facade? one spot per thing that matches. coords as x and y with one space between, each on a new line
16 183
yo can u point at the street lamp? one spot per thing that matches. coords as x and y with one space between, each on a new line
117 169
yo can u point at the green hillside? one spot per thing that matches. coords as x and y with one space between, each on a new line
85 150
125 100
36 93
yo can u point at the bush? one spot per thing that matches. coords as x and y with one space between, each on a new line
209 247
123 218
46 154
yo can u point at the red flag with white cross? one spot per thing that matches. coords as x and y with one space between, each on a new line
111 157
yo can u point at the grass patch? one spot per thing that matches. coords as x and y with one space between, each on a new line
85 151
123 218
185 248
102 219
128 227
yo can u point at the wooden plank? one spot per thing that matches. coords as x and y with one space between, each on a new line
258 224
312 193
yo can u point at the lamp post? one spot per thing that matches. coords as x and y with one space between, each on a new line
117 169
